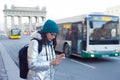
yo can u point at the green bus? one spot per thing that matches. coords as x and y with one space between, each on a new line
93 35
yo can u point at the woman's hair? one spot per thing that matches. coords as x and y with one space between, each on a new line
44 39
55 41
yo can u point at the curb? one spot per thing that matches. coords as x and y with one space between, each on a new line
10 67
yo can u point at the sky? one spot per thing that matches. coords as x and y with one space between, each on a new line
58 9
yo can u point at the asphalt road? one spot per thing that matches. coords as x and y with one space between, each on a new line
73 68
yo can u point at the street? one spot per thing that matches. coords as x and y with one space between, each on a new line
73 68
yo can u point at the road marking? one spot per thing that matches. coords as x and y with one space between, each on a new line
117 58
84 64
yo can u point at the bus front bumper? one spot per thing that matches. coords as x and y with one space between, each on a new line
86 54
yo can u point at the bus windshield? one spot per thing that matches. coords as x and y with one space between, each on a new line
15 32
104 32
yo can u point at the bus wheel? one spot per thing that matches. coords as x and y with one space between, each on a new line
66 50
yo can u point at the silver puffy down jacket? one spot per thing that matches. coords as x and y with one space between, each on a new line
39 63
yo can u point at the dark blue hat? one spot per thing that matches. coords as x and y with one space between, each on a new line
50 26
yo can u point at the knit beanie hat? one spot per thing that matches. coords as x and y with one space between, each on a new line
50 26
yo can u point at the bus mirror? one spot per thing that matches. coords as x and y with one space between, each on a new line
91 24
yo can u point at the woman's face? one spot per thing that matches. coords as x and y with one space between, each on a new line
51 36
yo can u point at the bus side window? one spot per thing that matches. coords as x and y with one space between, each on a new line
80 31
68 34
84 31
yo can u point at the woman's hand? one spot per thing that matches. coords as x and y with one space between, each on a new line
55 62
60 56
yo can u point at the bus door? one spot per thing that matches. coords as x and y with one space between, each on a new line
84 36
76 38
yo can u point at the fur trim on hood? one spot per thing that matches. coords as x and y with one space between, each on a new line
36 35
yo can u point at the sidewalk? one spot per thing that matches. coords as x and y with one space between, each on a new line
8 69
3 73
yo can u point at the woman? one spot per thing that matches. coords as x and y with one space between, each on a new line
41 65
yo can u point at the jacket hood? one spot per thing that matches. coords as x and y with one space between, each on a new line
36 35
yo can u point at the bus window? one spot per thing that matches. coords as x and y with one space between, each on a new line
68 34
91 24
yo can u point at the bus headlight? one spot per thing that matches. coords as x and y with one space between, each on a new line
92 55
116 54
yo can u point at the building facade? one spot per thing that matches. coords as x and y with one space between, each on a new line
20 12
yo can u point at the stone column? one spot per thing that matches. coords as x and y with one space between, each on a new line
37 19
5 24
20 23
30 23
12 22
43 19
37 22
5 17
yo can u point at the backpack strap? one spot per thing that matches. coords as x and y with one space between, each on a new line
39 44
